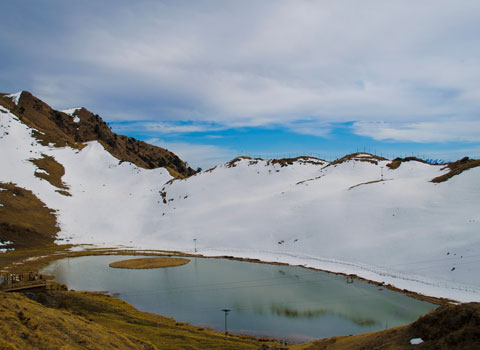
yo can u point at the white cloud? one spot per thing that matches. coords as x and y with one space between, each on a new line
152 127
313 128
437 131
251 63
204 156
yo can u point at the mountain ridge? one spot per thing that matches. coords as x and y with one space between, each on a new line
59 128
355 215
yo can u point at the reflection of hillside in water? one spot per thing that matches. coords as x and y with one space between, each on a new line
316 313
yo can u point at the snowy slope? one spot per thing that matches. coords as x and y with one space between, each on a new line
108 199
404 230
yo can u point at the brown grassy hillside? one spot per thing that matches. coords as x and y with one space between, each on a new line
81 320
25 325
24 219
457 167
359 156
59 128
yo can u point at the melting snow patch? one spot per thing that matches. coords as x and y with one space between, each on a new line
79 248
4 250
15 97
416 341
35 258
1 205
70 111
76 119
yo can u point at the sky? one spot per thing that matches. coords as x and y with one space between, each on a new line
212 80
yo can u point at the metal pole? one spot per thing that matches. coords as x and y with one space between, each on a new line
226 314
195 242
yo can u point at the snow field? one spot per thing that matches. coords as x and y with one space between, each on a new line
404 230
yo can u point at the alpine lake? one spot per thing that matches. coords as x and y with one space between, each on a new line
284 302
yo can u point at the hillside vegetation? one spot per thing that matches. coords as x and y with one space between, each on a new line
79 320
25 221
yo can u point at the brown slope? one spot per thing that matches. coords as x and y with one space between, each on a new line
395 164
27 325
24 219
457 168
359 156
59 128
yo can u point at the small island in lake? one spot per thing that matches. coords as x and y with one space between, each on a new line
149 263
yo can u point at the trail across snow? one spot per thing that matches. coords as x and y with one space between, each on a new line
404 230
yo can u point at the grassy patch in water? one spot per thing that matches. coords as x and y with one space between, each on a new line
149 263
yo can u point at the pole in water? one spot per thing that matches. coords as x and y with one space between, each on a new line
195 243
226 314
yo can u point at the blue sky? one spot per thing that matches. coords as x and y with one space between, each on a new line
211 80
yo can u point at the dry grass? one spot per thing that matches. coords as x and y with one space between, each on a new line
52 172
395 164
233 162
289 161
282 161
24 219
457 168
149 263
26 324
373 159
83 320
163 332
365 183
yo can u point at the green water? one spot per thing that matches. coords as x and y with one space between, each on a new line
284 302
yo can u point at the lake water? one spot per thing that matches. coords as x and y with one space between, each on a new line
284 302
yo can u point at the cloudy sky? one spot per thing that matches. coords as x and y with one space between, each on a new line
211 80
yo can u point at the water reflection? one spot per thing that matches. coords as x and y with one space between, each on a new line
268 300
295 313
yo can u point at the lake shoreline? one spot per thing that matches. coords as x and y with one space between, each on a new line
326 293
38 259
35 263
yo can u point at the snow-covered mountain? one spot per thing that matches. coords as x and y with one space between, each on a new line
382 220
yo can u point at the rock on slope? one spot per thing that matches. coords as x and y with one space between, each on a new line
385 221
